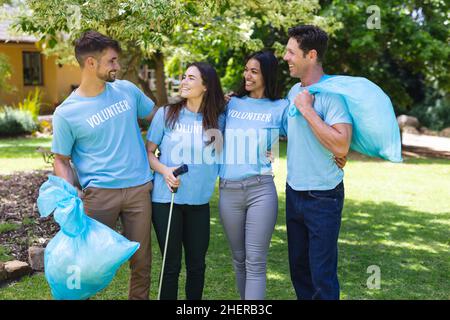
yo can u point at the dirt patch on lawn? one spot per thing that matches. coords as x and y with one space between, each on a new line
18 211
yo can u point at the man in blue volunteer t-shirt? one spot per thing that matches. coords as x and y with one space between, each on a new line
317 135
96 128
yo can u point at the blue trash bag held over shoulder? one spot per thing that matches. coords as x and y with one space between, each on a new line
84 255
375 127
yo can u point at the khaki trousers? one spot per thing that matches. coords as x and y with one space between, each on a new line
133 206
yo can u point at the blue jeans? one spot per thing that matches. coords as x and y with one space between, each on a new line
313 220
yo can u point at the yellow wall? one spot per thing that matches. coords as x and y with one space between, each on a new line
67 76
57 80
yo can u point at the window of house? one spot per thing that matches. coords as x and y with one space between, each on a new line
32 69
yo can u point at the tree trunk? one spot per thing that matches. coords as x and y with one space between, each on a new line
161 92
130 71
145 84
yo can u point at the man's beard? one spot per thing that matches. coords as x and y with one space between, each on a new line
107 76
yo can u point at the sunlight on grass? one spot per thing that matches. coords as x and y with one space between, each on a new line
396 216
280 228
8 166
407 245
349 242
275 276
20 154
276 240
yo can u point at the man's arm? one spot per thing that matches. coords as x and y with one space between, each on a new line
63 169
335 138
145 105
150 116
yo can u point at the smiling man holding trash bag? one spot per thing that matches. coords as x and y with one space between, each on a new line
97 128
327 116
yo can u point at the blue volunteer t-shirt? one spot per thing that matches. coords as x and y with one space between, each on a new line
102 136
185 144
253 126
310 165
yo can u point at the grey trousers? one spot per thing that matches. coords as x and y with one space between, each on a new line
248 212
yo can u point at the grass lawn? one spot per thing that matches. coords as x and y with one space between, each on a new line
396 216
20 154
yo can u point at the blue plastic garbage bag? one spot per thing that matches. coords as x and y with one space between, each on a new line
375 128
84 255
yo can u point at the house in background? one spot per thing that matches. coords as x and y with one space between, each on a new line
30 68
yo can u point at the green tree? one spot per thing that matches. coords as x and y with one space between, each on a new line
408 56
141 26
156 32
237 28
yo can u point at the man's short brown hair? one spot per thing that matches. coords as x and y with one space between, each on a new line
93 43
310 37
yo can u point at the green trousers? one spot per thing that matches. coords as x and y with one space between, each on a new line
189 229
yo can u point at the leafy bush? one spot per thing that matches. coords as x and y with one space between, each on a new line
46 127
15 122
32 103
434 113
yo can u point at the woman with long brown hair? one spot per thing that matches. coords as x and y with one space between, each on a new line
186 132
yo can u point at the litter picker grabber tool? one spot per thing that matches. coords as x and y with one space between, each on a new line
177 172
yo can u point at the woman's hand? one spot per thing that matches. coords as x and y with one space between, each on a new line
228 96
170 179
